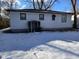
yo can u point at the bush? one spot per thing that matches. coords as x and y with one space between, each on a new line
4 24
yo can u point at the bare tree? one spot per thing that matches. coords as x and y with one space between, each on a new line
38 3
42 4
8 3
51 3
34 4
74 3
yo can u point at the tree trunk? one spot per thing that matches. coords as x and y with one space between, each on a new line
38 3
34 4
75 18
42 3
75 13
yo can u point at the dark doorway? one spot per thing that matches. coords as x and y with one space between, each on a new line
34 26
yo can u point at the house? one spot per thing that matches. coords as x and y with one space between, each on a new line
32 20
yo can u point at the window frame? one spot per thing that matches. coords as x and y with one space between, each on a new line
41 16
22 17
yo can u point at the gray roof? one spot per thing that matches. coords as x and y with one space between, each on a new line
38 11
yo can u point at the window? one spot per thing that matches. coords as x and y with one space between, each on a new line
64 18
41 16
53 17
22 16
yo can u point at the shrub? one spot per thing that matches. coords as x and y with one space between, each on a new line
4 23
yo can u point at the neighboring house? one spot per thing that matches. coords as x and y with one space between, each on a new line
30 19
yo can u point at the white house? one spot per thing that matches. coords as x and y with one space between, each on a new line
30 19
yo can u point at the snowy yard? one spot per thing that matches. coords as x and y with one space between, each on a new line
39 45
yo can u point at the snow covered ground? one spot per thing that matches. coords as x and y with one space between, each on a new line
39 45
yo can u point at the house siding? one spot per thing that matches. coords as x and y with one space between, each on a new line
16 23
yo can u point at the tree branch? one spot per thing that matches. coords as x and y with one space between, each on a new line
34 4
51 4
38 4
42 3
